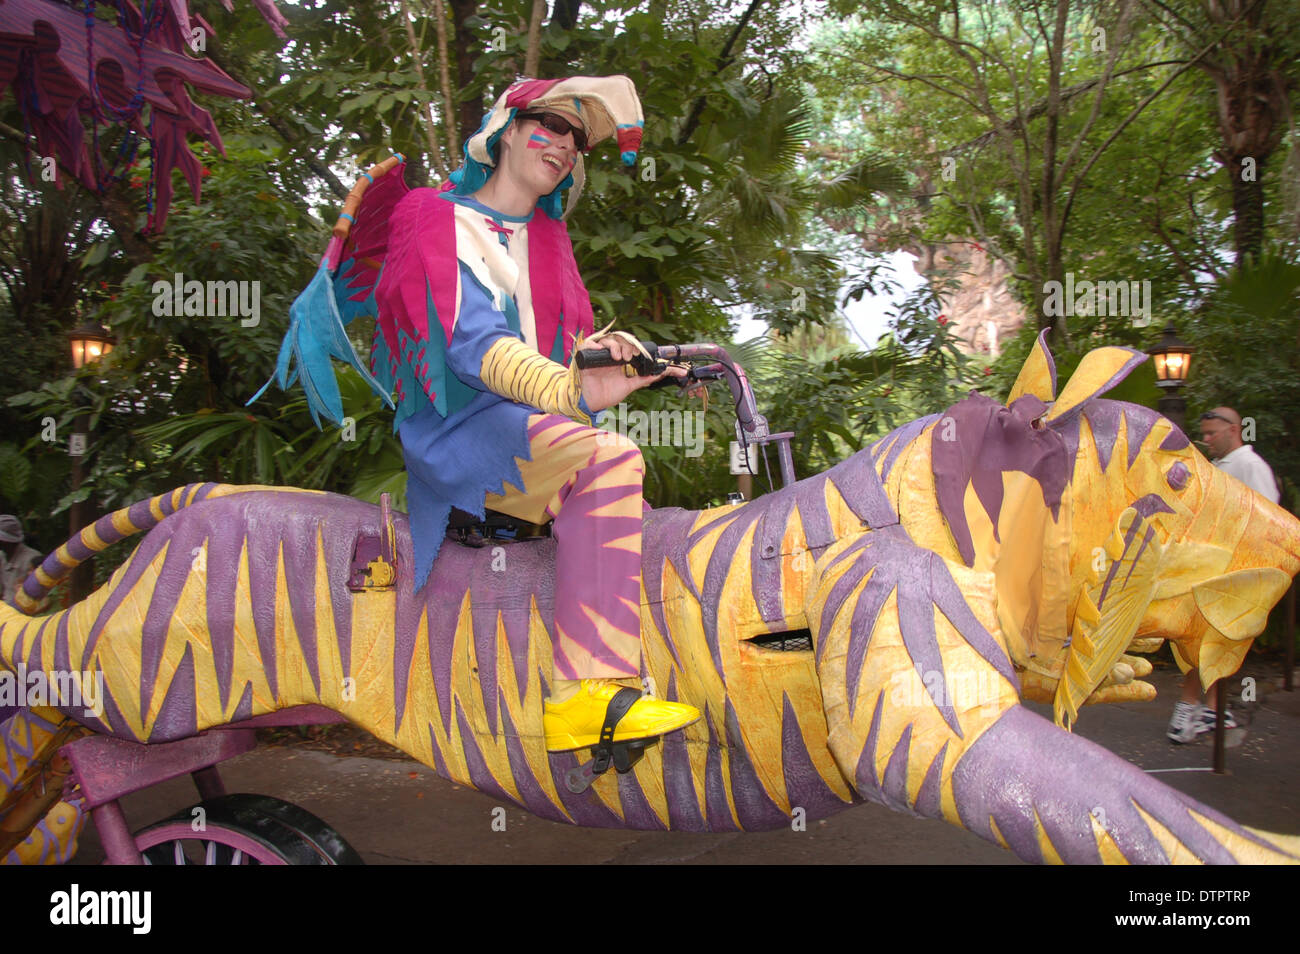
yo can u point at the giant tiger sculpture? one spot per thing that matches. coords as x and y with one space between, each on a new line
961 563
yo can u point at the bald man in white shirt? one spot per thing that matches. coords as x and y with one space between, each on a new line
1221 434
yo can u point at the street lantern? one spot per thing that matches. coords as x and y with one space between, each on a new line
1173 358
90 342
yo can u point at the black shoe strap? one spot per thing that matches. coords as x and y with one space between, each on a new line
618 707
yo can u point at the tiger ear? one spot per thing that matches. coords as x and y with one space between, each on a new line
1038 376
1098 372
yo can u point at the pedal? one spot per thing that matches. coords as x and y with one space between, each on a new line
622 755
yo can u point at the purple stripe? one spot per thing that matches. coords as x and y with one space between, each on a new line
439 763
804 785
1114 566
244 710
62 655
441 605
1047 355
479 774
637 813
1140 421
300 554
859 484
842 587
263 557
224 546
893 788
756 811
1152 504
663 529
764 555
107 532
178 715
679 785
33 588
33 652
864 774
535 800
716 806
724 550
952 603
141 515
586 810
1174 440
863 626
903 438
1146 541
1103 417
929 803
78 550
188 534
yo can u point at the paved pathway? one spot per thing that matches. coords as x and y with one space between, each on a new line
402 813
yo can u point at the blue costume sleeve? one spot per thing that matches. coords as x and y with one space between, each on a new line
478 326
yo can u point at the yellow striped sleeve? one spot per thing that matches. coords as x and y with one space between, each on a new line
516 371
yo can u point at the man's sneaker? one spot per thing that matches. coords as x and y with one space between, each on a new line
576 722
1204 721
1183 726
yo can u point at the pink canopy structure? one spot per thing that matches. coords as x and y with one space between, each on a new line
75 73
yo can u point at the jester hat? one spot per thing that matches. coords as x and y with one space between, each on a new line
605 105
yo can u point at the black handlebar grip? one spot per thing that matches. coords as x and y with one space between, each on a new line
600 358
596 358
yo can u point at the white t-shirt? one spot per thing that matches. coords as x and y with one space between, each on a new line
1251 469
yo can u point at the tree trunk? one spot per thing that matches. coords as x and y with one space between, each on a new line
533 54
470 113
1253 108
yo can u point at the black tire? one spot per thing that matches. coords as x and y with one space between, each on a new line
244 829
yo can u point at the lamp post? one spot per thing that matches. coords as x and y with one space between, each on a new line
89 341
1173 359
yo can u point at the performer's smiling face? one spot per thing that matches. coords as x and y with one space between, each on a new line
536 157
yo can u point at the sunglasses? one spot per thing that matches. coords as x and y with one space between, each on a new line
559 125
1211 416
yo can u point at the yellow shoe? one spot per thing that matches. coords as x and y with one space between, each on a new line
576 722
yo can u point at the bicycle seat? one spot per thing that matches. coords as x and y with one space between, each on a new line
467 529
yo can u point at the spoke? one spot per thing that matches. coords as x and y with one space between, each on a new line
239 857
210 857
178 852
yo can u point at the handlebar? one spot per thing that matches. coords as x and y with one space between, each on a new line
751 426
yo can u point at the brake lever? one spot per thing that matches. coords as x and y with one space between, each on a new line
692 377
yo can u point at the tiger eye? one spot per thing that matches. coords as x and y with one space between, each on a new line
1178 475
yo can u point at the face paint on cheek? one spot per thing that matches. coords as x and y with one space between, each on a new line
573 161
538 140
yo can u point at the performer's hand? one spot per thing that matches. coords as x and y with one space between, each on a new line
606 387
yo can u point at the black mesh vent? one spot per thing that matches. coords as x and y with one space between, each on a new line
789 641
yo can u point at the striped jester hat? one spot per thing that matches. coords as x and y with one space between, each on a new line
605 105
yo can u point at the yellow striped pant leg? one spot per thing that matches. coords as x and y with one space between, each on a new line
590 481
